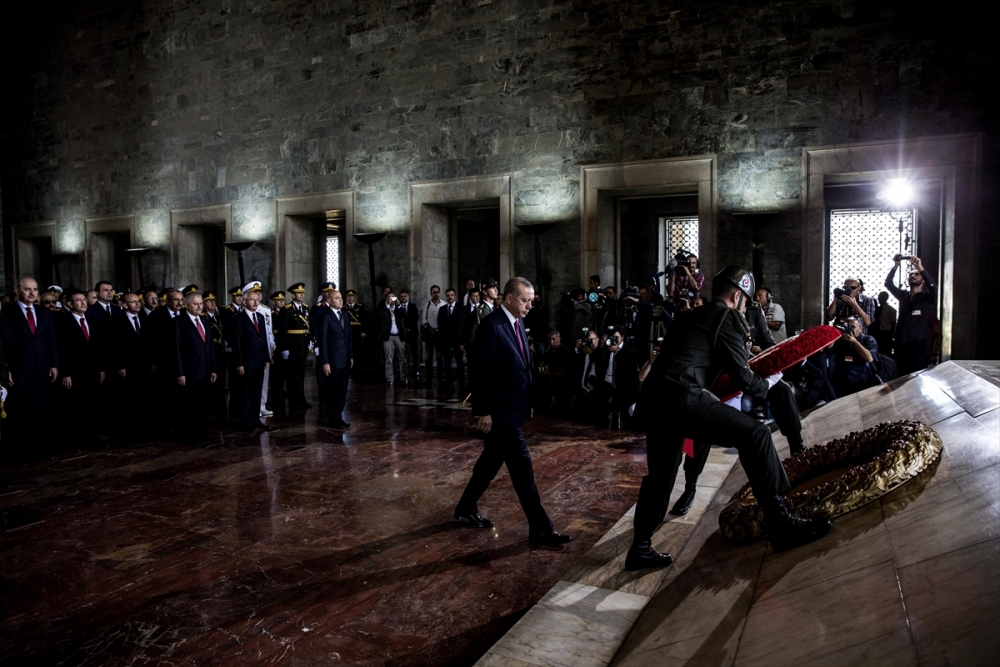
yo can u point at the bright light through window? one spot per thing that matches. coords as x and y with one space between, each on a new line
333 259
862 245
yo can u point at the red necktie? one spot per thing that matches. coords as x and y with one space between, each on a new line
83 325
256 324
201 330
31 320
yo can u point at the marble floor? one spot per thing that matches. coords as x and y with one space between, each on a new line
305 546
302 546
910 579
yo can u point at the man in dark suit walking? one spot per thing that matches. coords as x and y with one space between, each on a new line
336 357
33 362
194 368
501 395
252 354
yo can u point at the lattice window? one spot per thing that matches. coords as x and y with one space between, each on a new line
862 244
682 233
333 259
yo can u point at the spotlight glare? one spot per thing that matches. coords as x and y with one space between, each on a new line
897 193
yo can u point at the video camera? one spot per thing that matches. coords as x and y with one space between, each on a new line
899 257
679 262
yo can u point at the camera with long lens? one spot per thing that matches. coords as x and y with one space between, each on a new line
899 257
842 327
838 292
679 262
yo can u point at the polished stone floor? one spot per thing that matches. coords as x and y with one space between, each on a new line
301 546
910 579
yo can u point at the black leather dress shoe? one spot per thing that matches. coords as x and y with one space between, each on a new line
643 555
552 539
683 504
473 520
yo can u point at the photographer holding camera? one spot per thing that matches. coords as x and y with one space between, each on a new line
916 315
686 279
855 354
617 376
850 302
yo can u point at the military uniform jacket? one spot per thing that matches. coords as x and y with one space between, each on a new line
295 331
477 318
705 343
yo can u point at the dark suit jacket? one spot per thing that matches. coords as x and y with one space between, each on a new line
79 358
411 320
30 355
501 385
127 347
385 321
99 317
626 373
452 325
195 359
159 338
250 347
336 346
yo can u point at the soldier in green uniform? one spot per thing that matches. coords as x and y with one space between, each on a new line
293 346
358 317
279 369
217 390
229 314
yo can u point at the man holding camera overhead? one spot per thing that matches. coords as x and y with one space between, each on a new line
916 315
850 302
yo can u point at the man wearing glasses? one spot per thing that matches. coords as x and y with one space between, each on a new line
852 303
50 300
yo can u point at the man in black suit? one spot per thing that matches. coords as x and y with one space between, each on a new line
336 357
194 368
451 319
100 315
104 309
81 368
159 344
252 353
130 361
392 329
33 362
411 326
501 392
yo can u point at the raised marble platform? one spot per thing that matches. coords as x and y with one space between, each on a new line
913 578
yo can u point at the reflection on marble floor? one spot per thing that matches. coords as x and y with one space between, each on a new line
913 578
302 546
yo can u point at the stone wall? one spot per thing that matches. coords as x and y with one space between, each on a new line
138 107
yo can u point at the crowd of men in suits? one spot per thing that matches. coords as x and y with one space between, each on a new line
70 358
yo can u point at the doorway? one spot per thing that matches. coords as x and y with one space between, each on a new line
652 229
314 241
475 233
108 260
201 257
34 258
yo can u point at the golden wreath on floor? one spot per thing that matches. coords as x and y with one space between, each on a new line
840 476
